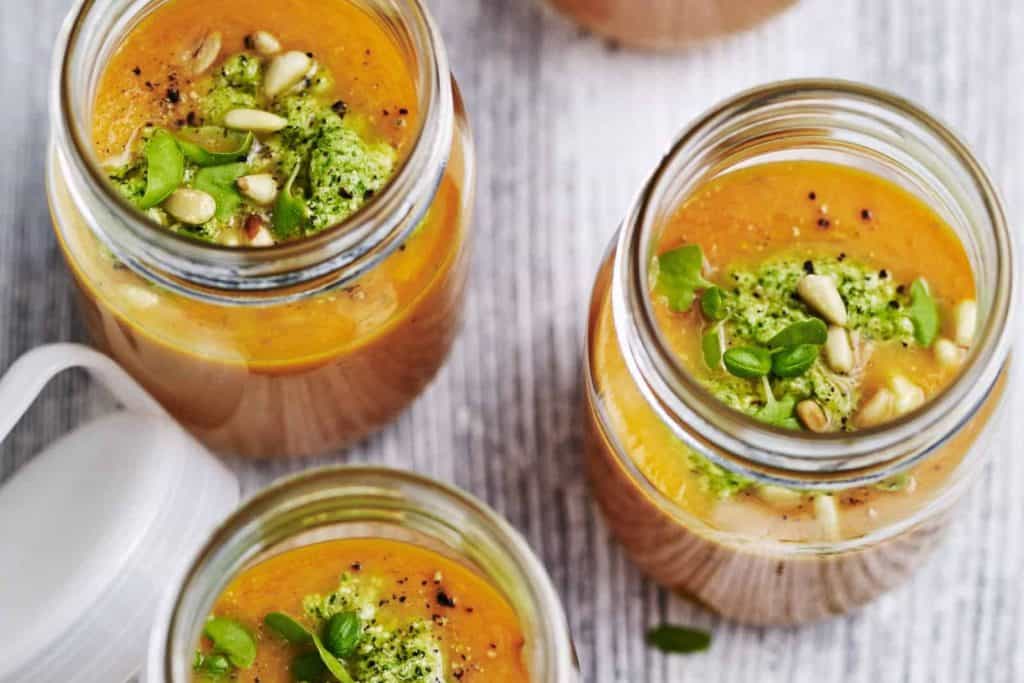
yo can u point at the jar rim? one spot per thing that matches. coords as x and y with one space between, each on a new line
400 495
247 275
774 455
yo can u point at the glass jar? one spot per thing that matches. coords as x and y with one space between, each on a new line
292 350
639 398
360 502
668 24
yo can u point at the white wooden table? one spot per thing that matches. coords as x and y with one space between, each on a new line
567 129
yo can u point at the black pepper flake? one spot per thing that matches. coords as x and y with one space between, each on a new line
340 108
883 273
808 267
403 111
356 566
137 71
444 599
901 289
842 257
865 214
192 119
812 196
249 42
824 223
894 304
310 55
173 96
345 194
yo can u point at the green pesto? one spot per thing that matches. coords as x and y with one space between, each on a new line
335 166
386 653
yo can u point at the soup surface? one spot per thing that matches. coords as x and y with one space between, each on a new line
810 296
384 611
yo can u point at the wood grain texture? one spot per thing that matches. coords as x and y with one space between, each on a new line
567 129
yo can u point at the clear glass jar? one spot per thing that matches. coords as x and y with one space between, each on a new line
636 388
668 24
293 350
360 502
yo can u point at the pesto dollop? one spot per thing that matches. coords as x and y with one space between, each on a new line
251 169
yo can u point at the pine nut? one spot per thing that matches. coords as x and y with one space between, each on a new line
838 350
812 416
256 232
206 52
264 43
780 496
948 354
909 396
285 71
261 188
821 294
877 410
966 317
827 512
192 207
255 120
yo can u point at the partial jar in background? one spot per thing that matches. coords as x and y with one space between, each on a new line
292 350
668 24
366 503
745 557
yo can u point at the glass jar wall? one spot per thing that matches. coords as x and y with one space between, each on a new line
762 555
292 350
367 503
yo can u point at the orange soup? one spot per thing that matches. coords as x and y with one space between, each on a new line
381 610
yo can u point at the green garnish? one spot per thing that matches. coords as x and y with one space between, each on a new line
231 639
924 313
165 168
290 211
679 639
679 276
297 634
203 157
894 483
712 303
342 634
812 331
308 668
219 183
748 362
793 361
777 412
212 666
711 346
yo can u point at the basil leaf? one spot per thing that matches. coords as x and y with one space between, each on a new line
203 157
748 362
712 303
811 331
342 634
308 668
286 627
679 639
679 276
289 211
219 183
711 346
214 666
924 313
165 168
794 361
336 668
232 639
779 413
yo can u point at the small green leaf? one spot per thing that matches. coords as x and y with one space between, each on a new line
679 276
924 313
812 331
793 361
342 634
215 666
777 412
219 183
203 157
711 346
165 168
895 483
679 639
336 668
232 639
308 668
748 362
290 211
712 303
286 627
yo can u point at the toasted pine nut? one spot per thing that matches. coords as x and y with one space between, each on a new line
948 354
821 294
812 416
264 43
965 316
827 512
206 52
838 350
780 496
256 231
192 207
909 396
255 120
285 71
261 188
877 410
